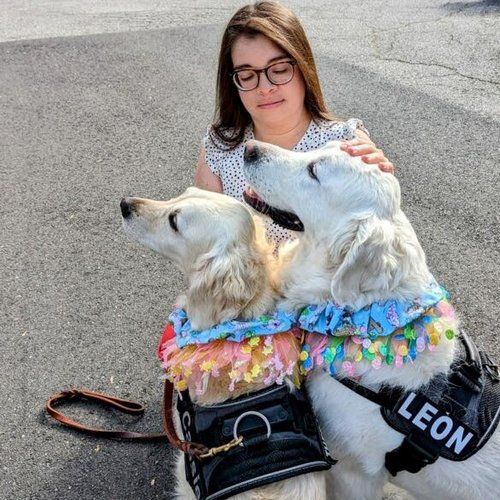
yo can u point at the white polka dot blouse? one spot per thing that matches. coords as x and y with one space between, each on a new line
228 164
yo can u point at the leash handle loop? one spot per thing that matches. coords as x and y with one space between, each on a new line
126 406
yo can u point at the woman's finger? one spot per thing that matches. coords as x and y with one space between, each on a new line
356 142
369 153
386 166
362 149
377 157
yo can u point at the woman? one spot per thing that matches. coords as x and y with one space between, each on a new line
268 89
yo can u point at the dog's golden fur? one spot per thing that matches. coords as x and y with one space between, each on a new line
231 272
358 248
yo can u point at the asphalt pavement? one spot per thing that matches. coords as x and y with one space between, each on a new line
99 100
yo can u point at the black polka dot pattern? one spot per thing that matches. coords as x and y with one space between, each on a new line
228 164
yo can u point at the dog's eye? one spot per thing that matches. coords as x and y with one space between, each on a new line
172 220
311 170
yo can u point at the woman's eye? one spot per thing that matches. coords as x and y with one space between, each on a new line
281 68
311 170
245 76
172 220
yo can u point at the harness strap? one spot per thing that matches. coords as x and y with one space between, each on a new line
464 383
125 406
490 366
387 397
414 453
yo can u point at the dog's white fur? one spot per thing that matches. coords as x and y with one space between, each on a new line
231 272
358 247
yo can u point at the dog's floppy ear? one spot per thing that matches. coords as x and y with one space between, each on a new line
369 255
225 281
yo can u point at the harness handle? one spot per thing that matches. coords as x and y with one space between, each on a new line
126 406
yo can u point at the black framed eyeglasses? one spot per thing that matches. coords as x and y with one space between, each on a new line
278 73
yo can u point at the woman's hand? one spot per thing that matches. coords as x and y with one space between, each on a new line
363 146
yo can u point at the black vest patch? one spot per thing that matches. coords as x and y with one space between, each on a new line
281 439
455 414
437 424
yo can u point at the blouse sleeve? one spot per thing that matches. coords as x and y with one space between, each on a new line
350 127
338 131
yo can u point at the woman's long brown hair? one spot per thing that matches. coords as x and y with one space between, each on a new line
281 26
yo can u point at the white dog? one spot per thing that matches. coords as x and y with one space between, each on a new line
231 272
359 248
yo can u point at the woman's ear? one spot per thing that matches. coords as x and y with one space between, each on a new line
225 282
369 254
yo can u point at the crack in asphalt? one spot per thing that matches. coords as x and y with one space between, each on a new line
451 68
375 44
406 25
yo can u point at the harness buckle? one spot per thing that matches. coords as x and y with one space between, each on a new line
414 453
490 366
493 372
468 374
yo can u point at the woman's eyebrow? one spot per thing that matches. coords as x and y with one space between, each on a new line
277 58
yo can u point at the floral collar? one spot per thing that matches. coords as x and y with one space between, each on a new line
383 333
234 330
379 319
344 354
263 350
337 339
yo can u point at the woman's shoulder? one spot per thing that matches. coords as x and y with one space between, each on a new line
337 127
323 131
221 155
222 140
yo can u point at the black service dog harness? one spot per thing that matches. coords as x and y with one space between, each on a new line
281 439
452 417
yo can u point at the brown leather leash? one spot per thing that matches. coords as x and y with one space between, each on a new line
126 406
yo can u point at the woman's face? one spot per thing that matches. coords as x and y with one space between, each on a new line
268 103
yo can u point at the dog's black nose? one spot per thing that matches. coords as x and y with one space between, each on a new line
252 152
126 208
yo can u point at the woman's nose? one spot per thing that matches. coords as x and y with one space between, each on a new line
264 84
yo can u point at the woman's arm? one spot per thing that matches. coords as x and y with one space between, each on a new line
204 178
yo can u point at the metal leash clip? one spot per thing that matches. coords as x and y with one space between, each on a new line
221 449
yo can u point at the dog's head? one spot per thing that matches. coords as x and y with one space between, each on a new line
349 207
325 180
214 241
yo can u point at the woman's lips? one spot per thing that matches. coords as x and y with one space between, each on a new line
270 105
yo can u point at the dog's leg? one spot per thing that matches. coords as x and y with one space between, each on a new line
182 489
346 481
307 486
476 478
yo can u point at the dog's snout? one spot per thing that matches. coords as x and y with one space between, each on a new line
252 151
126 207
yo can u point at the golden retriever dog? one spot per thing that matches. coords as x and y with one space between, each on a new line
231 273
359 248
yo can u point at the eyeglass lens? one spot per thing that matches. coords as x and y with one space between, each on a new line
278 74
